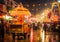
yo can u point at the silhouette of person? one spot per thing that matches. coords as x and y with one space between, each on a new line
2 29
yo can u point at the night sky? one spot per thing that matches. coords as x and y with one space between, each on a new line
2 1
35 6
32 1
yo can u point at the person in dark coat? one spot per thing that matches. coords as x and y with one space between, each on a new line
2 29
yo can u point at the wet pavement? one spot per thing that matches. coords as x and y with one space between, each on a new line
38 37
8 38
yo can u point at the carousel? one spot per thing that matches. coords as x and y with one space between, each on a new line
20 14
19 22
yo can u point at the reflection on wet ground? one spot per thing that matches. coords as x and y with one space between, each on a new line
8 38
38 37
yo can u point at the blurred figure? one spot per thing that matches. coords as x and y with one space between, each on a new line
38 24
2 29
45 26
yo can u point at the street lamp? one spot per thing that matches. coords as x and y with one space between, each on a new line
58 1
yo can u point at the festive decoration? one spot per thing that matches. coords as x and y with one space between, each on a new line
20 13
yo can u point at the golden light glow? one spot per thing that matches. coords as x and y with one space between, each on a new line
42 34
27 5
44 15
54 4
37 9
33 5
7 17
39 4
55 18
20 10
32 9
59 1
45 4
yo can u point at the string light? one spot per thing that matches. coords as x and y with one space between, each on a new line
32 9
33 5
37 9
27 5
39 4
45 4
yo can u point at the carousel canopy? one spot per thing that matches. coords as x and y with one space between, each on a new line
19 10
